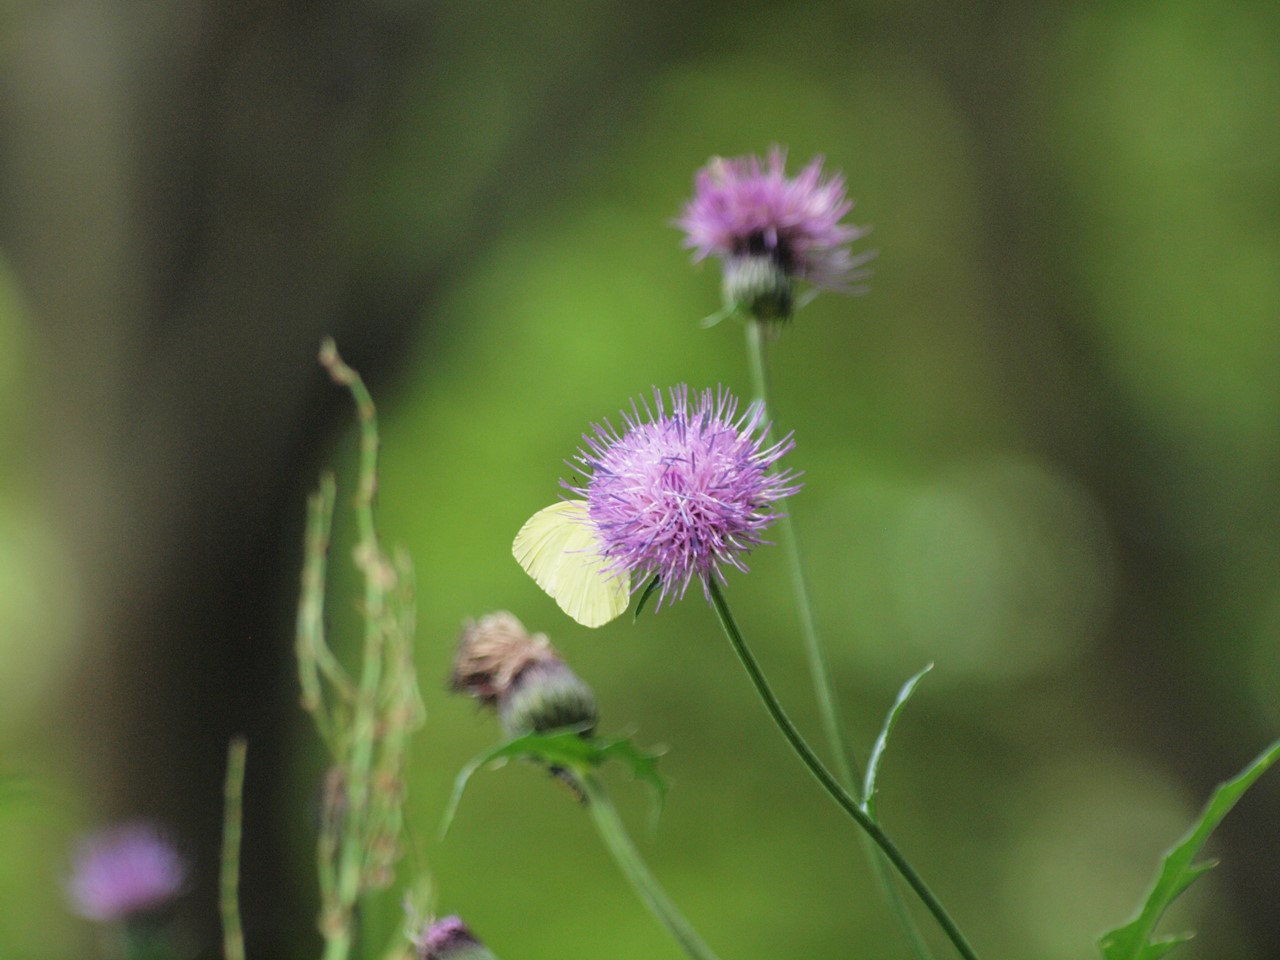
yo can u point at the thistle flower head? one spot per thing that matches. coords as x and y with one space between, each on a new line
124 872
449 939
522 676
682 493
548 696
771 229
492 652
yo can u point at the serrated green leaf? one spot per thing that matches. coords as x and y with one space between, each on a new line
643 767
566 750
1179 869
882 741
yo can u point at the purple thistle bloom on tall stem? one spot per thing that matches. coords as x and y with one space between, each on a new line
124 872
771 229
683 493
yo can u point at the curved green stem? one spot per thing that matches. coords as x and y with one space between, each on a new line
829 783
823 685
615 837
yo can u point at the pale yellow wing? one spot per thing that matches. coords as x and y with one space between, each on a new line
559 549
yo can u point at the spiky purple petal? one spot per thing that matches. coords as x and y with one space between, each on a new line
683 493
742 206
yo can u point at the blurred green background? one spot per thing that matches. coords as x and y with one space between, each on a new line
1042 453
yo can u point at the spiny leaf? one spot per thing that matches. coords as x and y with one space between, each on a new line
568 750
882 741
643 767
1133 940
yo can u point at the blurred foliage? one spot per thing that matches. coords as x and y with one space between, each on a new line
1062 387
37 603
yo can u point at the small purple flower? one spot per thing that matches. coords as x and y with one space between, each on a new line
123 872
681 494
770 229
449 939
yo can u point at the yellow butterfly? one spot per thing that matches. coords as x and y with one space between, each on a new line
558 547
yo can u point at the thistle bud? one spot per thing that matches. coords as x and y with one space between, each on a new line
492 653
449 939
521 676
757 286
547 696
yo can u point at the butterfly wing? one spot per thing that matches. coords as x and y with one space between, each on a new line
559 549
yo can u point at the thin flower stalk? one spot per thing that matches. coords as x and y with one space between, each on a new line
365 725
523 679
839 794
316 661
823 685
229 881
619 844
759 333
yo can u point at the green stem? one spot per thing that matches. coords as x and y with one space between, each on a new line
373 565
313 653
829 783
819 669
646 886
897 904
823 685
229 881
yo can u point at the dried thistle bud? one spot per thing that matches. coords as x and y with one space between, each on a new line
521 676
492 652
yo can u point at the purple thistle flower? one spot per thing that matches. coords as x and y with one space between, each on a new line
449 939
770 229
124 872
681 494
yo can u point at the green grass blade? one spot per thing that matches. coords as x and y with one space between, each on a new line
1133 940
